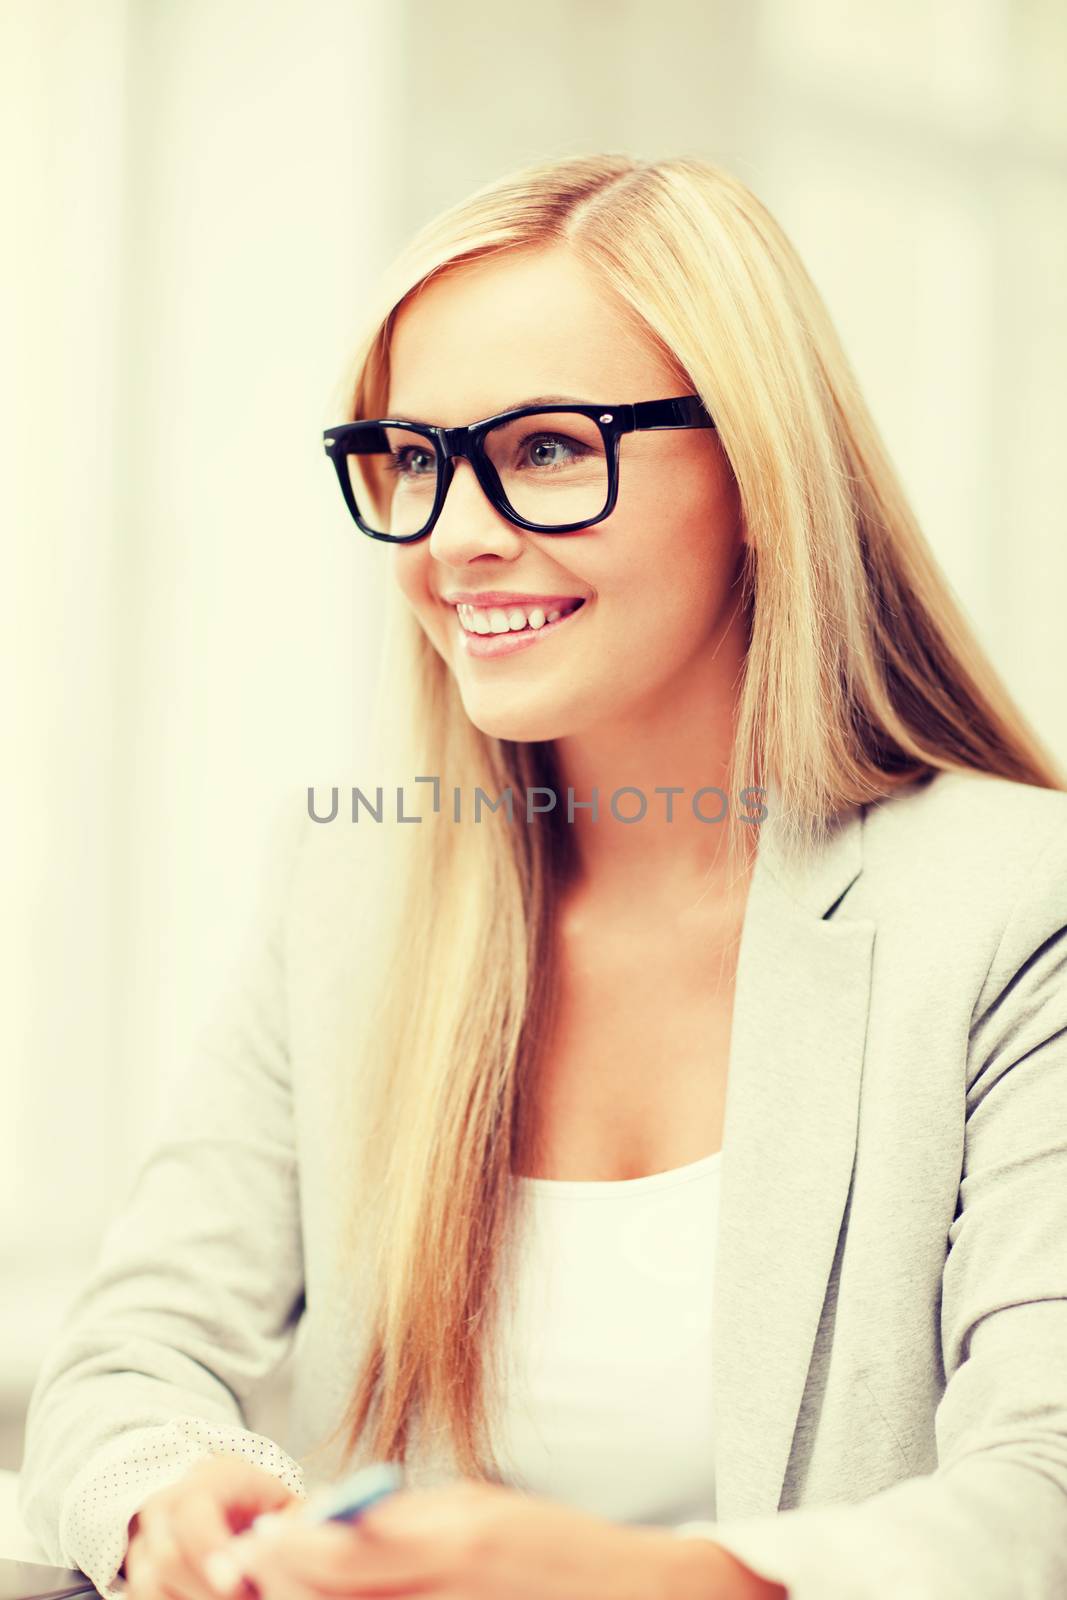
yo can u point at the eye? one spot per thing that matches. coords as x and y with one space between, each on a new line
542 446
412 461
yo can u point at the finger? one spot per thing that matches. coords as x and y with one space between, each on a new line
243 1489
200 1525
280 1584
153 1569
326 1557
222 1567
134 1568
170 1539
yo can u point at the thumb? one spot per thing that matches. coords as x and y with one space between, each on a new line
245 1490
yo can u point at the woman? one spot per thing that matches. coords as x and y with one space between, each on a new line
714 1170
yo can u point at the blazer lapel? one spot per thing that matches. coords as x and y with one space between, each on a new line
800 1015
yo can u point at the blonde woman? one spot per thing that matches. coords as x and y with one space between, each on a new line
671 1173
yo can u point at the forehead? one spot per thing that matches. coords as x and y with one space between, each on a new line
497 333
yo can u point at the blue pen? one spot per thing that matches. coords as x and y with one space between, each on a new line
344 1501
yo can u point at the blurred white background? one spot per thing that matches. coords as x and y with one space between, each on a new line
197 196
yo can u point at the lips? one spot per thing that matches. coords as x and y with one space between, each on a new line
503 600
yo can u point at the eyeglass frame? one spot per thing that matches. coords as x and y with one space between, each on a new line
681 411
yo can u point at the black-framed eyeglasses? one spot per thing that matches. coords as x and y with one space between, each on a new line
551 469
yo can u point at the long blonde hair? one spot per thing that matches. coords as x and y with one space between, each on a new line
861 675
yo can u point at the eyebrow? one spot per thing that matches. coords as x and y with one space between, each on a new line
534 400
551 400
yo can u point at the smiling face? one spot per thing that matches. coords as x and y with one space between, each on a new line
655 576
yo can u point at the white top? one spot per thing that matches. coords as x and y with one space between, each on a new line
608 1359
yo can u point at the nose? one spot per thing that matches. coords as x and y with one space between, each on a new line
469 525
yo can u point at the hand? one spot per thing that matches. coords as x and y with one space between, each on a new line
180 1525
479 1541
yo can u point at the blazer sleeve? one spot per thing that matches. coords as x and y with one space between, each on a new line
198 1286
990 1522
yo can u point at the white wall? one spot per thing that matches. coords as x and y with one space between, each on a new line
191 227
922 171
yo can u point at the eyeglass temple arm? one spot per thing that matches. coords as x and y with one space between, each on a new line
687 412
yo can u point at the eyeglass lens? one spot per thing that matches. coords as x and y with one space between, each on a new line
552 467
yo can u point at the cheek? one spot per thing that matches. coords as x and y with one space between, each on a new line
675 566
691 502
669 623
409 573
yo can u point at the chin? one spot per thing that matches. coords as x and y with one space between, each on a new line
522 727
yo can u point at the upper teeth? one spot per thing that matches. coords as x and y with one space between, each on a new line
498 619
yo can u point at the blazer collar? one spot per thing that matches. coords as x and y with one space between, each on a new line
802 992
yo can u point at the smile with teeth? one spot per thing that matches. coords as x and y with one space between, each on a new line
511 619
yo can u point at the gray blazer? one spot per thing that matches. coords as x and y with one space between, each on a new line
890 1343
